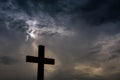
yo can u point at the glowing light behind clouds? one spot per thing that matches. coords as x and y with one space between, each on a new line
35 30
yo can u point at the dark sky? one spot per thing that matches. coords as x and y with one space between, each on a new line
82 35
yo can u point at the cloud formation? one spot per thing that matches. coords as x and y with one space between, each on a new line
92 53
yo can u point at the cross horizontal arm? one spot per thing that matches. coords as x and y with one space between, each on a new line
49 61
31 59
37 60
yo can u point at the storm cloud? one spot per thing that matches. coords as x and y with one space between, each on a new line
82 35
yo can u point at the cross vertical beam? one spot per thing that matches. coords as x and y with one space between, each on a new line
41 55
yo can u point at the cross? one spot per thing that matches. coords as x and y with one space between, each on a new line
41 61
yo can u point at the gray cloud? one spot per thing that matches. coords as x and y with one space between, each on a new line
94 49
7 60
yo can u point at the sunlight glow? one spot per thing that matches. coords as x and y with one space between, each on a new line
35 30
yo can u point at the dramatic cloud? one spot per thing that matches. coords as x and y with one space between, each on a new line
82 35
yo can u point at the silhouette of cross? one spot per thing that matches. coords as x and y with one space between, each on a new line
41 61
